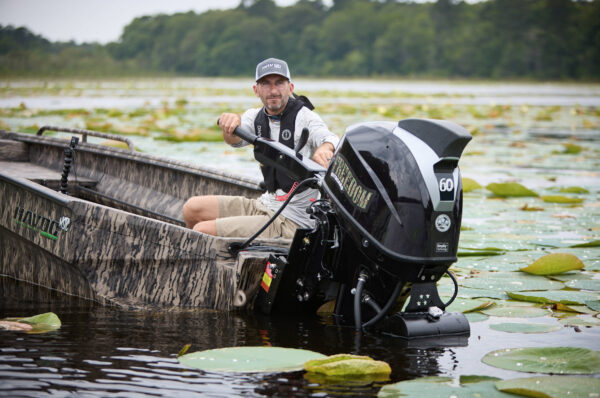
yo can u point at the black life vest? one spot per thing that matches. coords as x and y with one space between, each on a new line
274 178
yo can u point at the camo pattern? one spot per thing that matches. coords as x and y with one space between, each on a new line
114 256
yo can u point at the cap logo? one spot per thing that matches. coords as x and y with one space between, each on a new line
267 66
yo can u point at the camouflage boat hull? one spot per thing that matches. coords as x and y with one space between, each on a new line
117 237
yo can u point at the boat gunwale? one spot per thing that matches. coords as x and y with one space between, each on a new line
142 158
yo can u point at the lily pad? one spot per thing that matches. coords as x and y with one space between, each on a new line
593 304
424 389
348 366
554 296
476 317
551 386
584 320
574 190
511 282
516 311
483 252
584 284
524 327
561 199
40 323
249 359
556 360
554 263
466 379
469 185
510 189
468 305
593 243
468 292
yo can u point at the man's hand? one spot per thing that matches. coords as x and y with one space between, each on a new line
228 122
323 154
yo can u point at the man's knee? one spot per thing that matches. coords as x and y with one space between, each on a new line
200 208
206 227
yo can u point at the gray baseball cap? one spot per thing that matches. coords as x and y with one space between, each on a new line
272 66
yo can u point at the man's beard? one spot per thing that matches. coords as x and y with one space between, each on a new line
277 107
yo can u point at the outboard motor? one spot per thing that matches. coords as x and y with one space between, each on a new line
387 227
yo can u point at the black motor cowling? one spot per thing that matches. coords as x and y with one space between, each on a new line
396 189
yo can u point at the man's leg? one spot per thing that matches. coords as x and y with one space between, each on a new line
200 209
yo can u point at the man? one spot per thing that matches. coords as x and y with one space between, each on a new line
282 119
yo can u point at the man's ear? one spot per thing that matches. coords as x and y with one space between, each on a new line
291 87
255 88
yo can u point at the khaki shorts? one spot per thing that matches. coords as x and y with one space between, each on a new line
243 217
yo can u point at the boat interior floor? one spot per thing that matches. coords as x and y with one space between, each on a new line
40 174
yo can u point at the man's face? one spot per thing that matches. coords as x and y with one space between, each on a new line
274 92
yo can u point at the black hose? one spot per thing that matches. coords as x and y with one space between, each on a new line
387 305
362 278
234 248
372 303
451 275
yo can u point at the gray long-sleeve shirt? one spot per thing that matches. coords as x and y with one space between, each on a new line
319 134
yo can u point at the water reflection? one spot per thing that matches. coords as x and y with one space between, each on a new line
103 350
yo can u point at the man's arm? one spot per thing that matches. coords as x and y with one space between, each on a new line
323 154
228 122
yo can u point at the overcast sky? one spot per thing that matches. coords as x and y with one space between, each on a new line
96 20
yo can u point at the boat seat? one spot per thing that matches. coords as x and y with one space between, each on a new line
40 174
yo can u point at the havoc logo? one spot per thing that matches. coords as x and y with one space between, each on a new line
46 227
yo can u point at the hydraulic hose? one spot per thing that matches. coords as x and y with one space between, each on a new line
387 305
372 303
362 279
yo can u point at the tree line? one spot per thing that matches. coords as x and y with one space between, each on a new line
532 39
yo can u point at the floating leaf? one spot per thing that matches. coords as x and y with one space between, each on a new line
40 323
347 366
526 207
570 276
554 263
561 199
516 311
510 189
593 243
574 190
551 386
470 185
468 305
581 309
554 296
483 252
524 327
511 282
184 350
468 292
584 284
249 359
558 360
571 149
593 304
466 379
424 389
476 317
580 321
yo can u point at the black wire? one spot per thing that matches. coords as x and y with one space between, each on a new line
451 275
233 247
